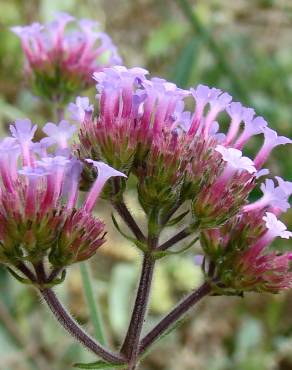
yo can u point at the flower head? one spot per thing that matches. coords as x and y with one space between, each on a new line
239 250
142 127
60 62
39 216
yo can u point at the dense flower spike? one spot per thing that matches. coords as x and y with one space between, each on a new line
142 127
38 201
60 62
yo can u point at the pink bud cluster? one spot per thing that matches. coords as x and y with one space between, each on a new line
61 61
39 216
240 252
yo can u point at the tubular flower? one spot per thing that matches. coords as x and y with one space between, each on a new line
60 62
240 253
142 127
39 217
133 112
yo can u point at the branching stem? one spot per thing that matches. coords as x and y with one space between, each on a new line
175 239
71 326
170 319
125 214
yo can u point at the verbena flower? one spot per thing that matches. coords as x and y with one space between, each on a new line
241 256
39 215
142 127
62 55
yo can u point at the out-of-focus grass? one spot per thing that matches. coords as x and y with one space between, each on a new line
254 38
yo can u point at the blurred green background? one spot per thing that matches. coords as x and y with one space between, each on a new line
241 46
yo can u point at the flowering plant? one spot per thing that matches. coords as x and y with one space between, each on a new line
179 158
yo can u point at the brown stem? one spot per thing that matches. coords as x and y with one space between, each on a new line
170 319
71 326
175 239
54 274
123 211
26 271
131 342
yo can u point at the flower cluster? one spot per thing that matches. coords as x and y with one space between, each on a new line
239 253
142 127
60 62
39 216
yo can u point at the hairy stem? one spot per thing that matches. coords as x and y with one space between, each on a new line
131 342
175 239
26 271
176 314
71 326
123 211
54 274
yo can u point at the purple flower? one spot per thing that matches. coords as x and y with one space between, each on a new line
235 159
59 134
272 197
275 227
118 91
251 127
68 56
71 182
9 153
238 113
163 102
202 95
81 109
286 186
34 172
53 163
271 141
105 172
25 32
262 172
23 132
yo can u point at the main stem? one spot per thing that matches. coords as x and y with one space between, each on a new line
68 323
170 319
130 347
